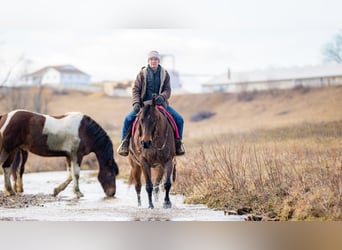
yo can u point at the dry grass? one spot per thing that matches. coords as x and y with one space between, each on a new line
297 179
275 151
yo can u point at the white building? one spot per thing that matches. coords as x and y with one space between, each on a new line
310 76
65 76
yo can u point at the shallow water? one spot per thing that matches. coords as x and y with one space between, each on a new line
95 207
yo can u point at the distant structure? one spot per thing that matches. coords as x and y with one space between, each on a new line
309 76
62 76
116 88
174 75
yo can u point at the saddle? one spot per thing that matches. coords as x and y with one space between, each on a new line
167 115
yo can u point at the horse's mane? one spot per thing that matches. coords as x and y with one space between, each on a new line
100 139
146 109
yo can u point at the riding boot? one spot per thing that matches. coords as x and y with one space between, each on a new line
123 148
179 147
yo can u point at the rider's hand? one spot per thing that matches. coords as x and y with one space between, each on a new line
136 107
160 100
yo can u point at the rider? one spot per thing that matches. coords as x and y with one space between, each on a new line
150 80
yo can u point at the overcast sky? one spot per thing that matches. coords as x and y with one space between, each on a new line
110 39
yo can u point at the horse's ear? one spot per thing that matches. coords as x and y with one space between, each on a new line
154 96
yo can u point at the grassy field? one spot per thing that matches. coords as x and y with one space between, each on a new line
278 153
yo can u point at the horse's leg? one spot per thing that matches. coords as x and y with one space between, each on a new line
20 185
75 170
156 184
6 160
18 168
15 168
64 184
167 184
135 177
149 185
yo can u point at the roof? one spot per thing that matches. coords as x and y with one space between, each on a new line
69 69
329 70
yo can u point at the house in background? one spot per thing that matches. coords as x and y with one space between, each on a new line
309 76
62 76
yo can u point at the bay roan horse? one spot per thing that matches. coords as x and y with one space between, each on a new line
152 145
72 135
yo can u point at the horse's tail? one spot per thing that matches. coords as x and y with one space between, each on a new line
130 179
174 170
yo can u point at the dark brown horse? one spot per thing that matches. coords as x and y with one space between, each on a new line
72 135
152 146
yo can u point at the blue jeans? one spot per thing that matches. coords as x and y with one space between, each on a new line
129 119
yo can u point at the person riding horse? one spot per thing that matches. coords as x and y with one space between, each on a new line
153 79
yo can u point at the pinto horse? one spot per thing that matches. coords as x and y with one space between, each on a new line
72 135
152 145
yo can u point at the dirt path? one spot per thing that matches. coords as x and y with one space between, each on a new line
37 204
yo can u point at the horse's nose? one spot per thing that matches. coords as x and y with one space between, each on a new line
110 192
146 144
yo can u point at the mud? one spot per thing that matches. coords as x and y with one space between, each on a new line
26 200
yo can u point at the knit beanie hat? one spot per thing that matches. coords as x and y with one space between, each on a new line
153 53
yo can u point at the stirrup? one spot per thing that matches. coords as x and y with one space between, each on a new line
123 148
179 148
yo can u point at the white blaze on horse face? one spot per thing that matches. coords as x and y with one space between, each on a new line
63 132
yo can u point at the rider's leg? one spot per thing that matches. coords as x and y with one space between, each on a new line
126 134
180 123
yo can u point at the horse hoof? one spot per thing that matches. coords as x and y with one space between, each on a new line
19 190
167 204
151 206
55 192
9 193
79 195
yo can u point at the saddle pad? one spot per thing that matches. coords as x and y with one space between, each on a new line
168 116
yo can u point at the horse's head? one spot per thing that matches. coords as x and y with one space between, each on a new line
102 146
147 125
107 177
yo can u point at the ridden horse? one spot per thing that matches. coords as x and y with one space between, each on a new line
72 135
152 145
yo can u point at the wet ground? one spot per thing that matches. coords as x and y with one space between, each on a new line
37 203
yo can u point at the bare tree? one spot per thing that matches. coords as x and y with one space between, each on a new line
16 96
332 51
10 71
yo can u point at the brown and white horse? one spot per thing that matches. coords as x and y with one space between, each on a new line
72 135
